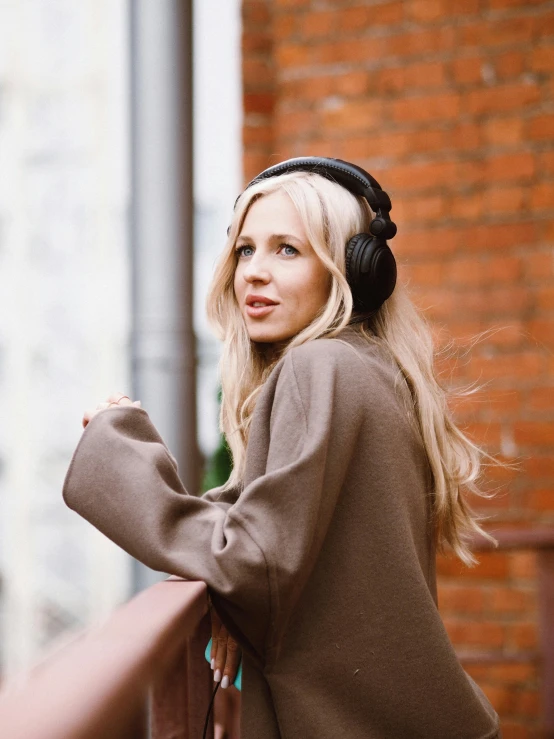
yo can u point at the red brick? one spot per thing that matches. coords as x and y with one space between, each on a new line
362 17
509 167
503 269
491 566
354 83
512 672
256 43
466 137
545 298
496 301
285 26
426 10
309 89
421 42
426 108
523 566
542 196
522 635
416 76
292 55
501 98
392 79
510 64
259 102
544 25
257 136
467 70
354 116
509 334
542 59
429 273
417 177
255 13
438 303
504 199
541 500
463 7
418 210
257 74
534 433
253 163
466 207
511 600
541 127
292 3
491 237
526 365
540 265
475 633
460 599
501 4
316 24
503 131
538 466
483 433
527 703
541 398
350 50
320 147
428 140
497 32
425 242
294 123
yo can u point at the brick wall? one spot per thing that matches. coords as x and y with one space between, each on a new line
449 103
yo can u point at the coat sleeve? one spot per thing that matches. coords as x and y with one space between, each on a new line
255 554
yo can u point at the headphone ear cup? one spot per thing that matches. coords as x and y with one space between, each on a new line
370 271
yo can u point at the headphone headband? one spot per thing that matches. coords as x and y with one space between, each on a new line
350 176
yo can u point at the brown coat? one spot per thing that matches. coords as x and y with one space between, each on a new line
321 565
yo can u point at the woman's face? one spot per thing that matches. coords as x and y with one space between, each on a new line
276 263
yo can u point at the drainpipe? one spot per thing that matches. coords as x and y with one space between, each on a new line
163 343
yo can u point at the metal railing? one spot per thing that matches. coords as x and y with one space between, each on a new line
142 673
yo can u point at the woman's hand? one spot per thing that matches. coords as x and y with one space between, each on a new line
113 400
225 654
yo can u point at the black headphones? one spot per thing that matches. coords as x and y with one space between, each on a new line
370 264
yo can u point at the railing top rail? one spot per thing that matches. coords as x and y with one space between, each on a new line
103 674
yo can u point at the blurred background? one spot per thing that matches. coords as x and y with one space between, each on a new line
128 127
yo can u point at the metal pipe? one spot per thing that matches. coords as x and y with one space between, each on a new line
163 342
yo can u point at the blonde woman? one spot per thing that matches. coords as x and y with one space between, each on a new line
348 475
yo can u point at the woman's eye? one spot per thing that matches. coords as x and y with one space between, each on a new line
288 246
240 250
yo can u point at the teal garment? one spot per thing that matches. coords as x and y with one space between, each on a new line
238 679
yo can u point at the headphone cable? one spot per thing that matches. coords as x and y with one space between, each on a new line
209 711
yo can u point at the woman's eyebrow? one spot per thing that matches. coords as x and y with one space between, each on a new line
273 237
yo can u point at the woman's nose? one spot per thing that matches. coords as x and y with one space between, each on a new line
257 270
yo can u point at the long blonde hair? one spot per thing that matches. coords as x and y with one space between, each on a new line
331 215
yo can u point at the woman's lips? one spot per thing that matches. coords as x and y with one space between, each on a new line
258 311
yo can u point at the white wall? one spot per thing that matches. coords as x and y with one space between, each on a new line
217 173
65 298
64 302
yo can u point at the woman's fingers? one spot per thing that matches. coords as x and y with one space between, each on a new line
231 663
216 626
225 653
113 400
120 399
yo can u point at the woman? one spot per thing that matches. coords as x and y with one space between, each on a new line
319 551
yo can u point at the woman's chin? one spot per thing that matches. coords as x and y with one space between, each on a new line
265 335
